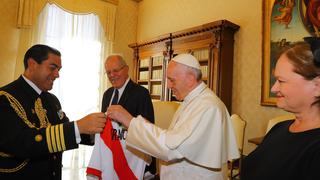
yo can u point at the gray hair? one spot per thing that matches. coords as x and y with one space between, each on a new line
122 62
196 72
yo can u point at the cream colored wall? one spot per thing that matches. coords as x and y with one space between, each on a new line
126 29
9 39
157 17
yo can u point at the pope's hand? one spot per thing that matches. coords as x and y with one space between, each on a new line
118 113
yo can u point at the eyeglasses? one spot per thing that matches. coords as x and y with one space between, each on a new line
114 70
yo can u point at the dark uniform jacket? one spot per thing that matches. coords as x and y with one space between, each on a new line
136 100
32 134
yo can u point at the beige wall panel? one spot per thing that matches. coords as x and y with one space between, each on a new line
157 17
9 39
126 29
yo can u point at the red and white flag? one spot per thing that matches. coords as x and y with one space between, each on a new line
111 159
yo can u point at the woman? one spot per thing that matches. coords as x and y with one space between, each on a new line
291 149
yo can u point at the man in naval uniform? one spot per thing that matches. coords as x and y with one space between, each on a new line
34 130
199 140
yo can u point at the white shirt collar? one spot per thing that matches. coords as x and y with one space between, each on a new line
123 87
35 87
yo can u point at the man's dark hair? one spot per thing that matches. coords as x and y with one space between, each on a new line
39 53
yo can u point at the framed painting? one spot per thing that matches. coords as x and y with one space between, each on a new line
284 22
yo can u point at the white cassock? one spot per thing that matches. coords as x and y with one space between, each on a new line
101 161
198 143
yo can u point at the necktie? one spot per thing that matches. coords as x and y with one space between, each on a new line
115 97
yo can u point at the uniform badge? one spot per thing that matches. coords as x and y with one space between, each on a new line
60 114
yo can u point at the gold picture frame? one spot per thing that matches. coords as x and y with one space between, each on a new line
266 98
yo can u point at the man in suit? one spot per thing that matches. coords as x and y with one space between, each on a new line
133 97
34 130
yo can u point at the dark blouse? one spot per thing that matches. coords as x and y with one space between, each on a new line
284 155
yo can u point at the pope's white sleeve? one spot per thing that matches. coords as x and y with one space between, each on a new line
150 139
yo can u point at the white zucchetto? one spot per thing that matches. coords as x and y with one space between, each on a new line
188 60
